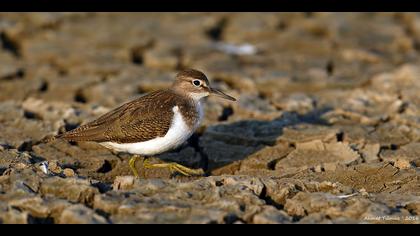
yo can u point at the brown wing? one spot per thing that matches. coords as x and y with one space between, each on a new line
135 121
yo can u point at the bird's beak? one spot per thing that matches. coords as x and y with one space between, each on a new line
221 94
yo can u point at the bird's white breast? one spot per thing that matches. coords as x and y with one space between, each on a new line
178 133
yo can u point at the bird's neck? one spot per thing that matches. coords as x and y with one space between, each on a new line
191 108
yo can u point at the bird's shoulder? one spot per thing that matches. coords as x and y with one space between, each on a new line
142 108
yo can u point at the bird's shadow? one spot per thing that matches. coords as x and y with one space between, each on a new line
222 144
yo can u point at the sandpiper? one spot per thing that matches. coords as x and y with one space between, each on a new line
154 123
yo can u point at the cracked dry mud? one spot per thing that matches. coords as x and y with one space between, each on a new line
326 127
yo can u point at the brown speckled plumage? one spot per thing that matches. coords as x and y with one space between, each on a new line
151 115
140 120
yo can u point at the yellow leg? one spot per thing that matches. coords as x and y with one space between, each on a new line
172 166
132 163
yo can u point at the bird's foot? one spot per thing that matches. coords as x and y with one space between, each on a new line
173 166
132 164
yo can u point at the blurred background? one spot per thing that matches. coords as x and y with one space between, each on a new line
107 58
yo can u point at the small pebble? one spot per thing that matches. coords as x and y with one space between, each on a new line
123 182
69 172
54 167
364 192
21 166
402 164
44 167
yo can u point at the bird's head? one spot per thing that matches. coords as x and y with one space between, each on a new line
195 84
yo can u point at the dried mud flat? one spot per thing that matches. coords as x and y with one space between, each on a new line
326 128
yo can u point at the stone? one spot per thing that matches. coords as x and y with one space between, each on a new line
123 182
72 189
315 154
80 214
402 164
34 205
69 172
353 209
270 215
13 216
370 152
266 157
406 155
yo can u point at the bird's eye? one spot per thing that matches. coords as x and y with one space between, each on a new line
197 83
